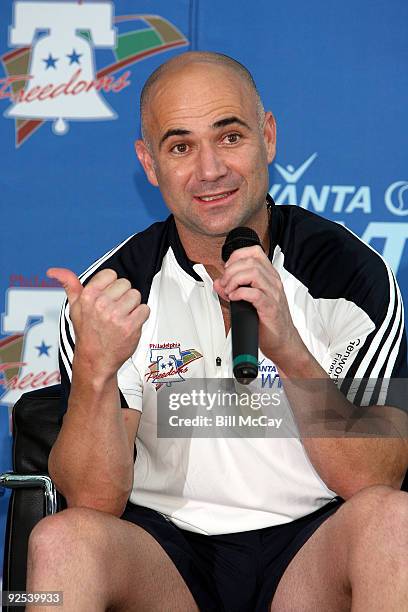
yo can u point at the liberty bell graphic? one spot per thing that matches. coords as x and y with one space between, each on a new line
61 83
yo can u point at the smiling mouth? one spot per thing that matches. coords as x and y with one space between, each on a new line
216 196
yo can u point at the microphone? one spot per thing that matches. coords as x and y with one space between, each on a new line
244 317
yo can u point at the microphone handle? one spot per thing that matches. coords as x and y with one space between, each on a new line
244 331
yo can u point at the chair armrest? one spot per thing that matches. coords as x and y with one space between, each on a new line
11 480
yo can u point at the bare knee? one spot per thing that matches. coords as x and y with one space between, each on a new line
67 532
380 507
80 544
66 553
380 516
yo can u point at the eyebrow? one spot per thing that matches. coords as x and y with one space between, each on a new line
174 132
218 124
229 121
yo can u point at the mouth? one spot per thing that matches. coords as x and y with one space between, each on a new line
216 197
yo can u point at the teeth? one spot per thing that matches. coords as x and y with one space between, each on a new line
216 197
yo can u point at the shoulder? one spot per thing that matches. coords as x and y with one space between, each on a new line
329 259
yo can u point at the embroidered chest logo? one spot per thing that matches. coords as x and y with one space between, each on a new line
169 363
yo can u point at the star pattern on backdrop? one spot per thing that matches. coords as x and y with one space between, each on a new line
50 62
43 349
74 57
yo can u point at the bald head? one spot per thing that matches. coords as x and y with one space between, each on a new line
179 63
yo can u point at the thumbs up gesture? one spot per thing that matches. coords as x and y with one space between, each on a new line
107 317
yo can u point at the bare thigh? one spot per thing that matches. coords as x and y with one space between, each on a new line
114 562
342 552
314 578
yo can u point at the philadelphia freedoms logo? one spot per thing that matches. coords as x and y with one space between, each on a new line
169 363
53 75
29 350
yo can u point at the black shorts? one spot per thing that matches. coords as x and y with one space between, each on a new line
235 572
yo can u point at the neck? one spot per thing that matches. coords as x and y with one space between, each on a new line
207 249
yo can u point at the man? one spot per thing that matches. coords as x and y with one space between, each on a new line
224 523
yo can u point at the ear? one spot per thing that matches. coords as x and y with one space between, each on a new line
146 160
269 134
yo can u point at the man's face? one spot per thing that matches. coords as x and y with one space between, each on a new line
208 154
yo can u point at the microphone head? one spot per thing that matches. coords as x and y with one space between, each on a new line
237 239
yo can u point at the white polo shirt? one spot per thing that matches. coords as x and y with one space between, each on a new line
347 308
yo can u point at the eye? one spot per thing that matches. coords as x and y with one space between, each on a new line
232 138
179 148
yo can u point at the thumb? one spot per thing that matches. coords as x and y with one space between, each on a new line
220 290
69 281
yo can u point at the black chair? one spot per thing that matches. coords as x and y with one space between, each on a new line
37 419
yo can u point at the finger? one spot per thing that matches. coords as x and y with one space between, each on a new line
252 278
258 271
102 279
220 290
128 302
69 281
247 263
248 294
140 315
117 289
245 252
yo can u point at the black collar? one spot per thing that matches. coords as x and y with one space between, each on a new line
275 226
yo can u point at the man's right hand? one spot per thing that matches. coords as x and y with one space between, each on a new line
107 317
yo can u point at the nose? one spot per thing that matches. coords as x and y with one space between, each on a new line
210 163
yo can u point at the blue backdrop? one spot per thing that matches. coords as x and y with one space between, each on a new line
334 74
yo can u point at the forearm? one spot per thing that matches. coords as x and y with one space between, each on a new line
349 453
91 461
349 465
